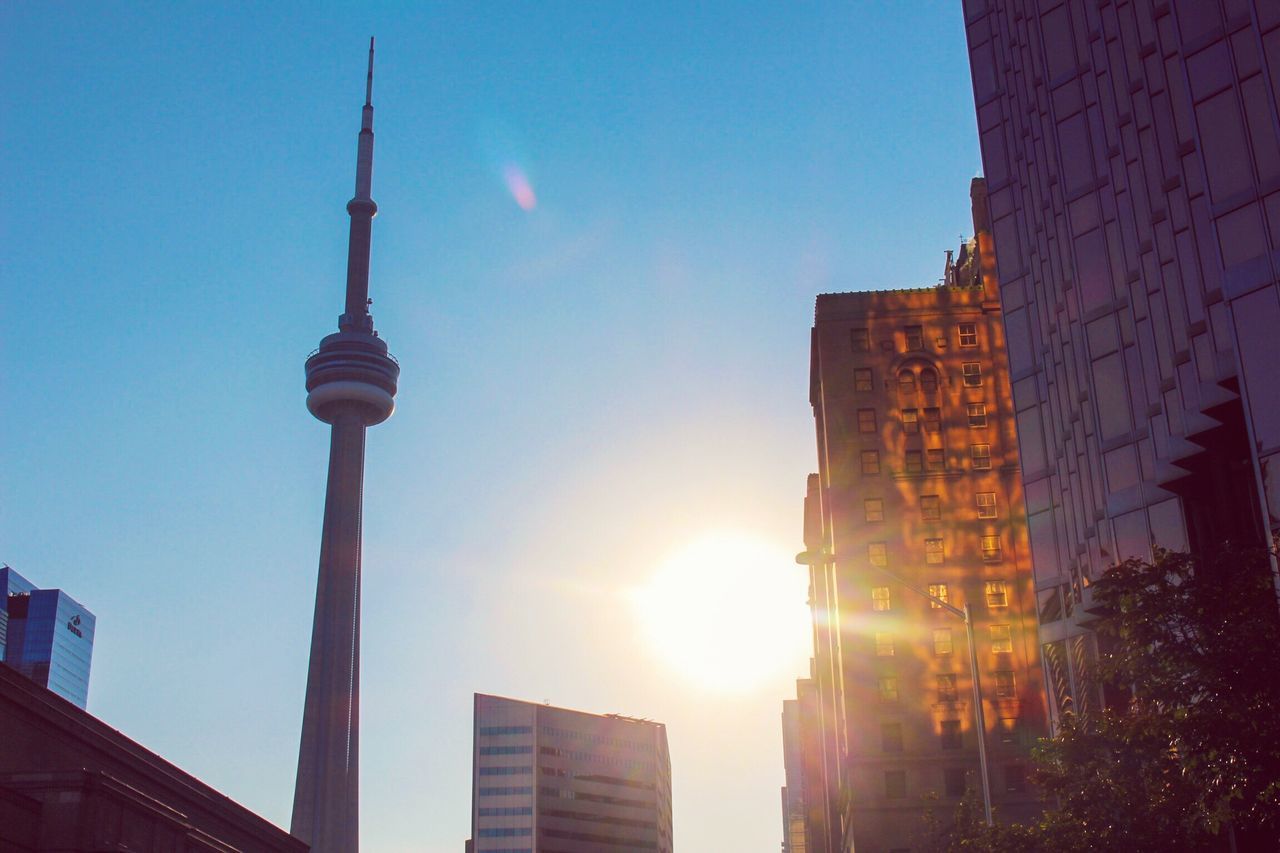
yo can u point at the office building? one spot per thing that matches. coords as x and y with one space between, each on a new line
351 385
551 780
68 781
1132 157
918 504
47 636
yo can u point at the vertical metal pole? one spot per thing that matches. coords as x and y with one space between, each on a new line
978 717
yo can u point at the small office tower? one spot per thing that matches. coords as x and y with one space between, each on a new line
551 780
47 636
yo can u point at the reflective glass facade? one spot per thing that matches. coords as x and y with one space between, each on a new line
1132 155
48 637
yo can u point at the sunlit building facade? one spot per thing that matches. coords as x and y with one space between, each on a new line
1132 156
551 780
47 636
918 491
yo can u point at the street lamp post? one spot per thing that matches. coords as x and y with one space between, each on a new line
809 558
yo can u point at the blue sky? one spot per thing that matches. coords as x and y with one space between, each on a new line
588 386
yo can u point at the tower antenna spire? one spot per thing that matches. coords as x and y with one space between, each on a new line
368 86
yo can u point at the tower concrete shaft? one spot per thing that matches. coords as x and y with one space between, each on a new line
351 384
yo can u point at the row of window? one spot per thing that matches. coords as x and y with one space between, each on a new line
506 750
949 734
966 336
955 781
934 549
1005 687
504 811
506 790
976 414
970 372
505 730
570 794
612 761
943 643
996 593
608 740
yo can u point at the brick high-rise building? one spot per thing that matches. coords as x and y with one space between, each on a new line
918 490
1132 156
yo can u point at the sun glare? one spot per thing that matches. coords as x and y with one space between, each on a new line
727 612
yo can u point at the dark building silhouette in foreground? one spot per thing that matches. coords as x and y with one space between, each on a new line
552 780
1132 157
351 385
70 782
47 636
918 491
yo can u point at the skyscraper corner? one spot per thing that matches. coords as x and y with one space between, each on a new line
351 385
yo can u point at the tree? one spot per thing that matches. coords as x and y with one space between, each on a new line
1187 755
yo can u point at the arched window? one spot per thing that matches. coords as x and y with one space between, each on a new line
906 381
928 380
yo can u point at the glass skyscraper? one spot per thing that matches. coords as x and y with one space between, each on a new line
47 636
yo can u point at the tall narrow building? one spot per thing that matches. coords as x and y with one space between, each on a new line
47 636
1132 155
351 385
917 510
551 780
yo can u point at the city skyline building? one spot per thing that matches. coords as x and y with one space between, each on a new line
917 511
47 636
1132 156
351 385
553 780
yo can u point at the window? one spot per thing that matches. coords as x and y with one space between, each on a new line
997 594
932 419
878 553
915 462
942 644
871 462
895 784
930 507
987 505
862 379
860 339
888 685
933 554
953 781
880 598
891 737
1005 686
911 421
1001 639
972 374
991 548
1015 778
874 509
981 456
936 460
866 420
968 334
884 645
1008 729
947 688
951 734
977 415
938 590
915 337
929 380
906 381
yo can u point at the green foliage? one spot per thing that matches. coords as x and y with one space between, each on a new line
1190 755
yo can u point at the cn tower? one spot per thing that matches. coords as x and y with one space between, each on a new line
351 385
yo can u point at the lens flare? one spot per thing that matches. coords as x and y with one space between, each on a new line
518 185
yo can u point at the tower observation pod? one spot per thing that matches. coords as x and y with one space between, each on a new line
351 385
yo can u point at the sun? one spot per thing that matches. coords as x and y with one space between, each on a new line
727 612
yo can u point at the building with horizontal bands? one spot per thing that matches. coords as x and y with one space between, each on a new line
551 780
